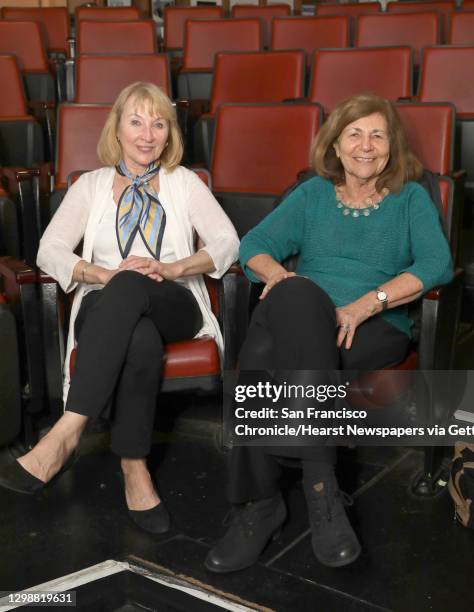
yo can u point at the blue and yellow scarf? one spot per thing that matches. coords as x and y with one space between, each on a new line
139 210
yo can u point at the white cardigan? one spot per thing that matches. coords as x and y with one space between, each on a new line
182 192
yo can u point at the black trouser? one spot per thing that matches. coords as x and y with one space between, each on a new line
294 328
121 331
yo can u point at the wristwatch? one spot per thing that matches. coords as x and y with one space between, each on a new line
382 297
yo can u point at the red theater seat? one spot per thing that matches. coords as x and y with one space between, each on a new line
446 9
24 39
257 77
116 13
461 29
430 130
265 13
79 129
279 137
340 73
175 18
351 10
116 37
310 33
100 78
272 76
446 75
55 22
205 38
413 29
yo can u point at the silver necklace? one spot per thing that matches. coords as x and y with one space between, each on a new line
372 203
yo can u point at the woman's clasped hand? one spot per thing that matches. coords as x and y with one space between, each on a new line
156 270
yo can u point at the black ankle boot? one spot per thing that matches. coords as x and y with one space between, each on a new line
334 542
252 526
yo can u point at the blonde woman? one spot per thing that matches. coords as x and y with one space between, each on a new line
138 284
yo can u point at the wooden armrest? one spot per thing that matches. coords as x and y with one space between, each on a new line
235 268
17 271
436 293
36 105
45 278
13 175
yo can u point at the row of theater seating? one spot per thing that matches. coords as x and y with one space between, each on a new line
343 30
56 24
257 77
454 27
273 76
176 17
204 38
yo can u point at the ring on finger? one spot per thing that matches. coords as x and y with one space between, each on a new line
346 327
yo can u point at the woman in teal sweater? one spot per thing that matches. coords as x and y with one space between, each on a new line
369 241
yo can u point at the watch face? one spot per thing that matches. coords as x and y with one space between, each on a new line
381 296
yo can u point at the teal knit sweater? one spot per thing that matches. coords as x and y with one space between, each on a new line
347 256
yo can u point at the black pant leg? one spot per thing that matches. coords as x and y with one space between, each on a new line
293 328
310 337
135 400
124 326
377 345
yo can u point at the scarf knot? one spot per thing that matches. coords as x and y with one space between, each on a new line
139 210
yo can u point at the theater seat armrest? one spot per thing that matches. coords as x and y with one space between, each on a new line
45 112
44 278
234 301
17 271
441 309
235 268
72 47
437 293
457 174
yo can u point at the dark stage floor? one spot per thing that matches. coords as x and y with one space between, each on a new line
416 558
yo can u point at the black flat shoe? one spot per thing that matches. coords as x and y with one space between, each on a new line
156 520
15 478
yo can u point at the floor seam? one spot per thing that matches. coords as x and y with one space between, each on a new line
335 591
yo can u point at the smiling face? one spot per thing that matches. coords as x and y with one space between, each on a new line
143 135
363 148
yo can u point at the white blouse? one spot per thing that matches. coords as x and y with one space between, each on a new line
105 250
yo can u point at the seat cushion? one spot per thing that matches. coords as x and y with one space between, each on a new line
190 358
186 359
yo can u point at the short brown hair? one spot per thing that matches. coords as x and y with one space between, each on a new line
402 165
109 149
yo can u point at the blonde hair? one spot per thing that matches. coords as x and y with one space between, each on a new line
402 165
109 150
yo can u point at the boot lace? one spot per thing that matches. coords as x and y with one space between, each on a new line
324 505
